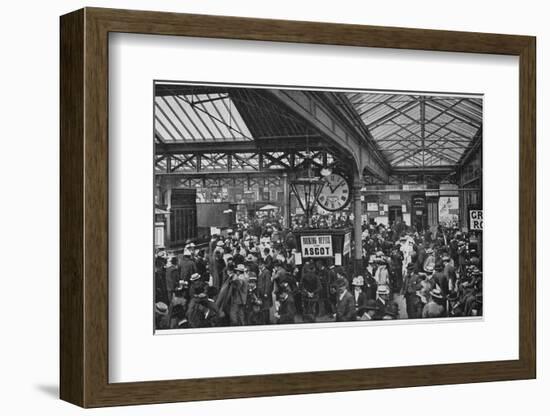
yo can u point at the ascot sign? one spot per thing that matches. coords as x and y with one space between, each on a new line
316 245
476 220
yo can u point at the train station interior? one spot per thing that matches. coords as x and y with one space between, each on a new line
330 190
224 154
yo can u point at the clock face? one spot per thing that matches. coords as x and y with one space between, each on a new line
335 194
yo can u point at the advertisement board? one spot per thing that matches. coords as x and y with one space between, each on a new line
476 220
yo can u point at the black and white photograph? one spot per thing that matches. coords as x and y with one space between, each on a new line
281 205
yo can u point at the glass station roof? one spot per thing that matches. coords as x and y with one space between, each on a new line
200 117
409 130
419 130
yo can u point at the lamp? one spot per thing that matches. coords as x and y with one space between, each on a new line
306 189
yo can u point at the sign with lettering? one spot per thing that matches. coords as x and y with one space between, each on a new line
316 245
476 220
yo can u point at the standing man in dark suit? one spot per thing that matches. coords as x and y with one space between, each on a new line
265 290
449 271
172 277
287 310
186 265
239 292
359 297
411 285
268 259
441 280
420 256
345 304
371 285
201 265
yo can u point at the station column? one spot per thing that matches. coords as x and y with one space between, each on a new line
357 231
286 202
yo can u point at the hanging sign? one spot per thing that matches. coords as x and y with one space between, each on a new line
316 245
372 206
476 220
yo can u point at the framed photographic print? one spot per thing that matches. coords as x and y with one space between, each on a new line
245 201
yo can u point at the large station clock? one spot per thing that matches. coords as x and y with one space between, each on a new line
335 193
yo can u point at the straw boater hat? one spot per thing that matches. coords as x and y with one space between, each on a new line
195 276
383 290
358 281
161 308
436 293
219 243
240 268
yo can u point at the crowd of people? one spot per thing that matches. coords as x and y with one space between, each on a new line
249 276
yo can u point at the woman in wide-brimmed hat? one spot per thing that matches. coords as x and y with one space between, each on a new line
382 275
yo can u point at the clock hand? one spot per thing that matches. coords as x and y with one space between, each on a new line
327 183
340 184
337 186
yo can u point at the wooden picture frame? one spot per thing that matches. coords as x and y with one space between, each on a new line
84 207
